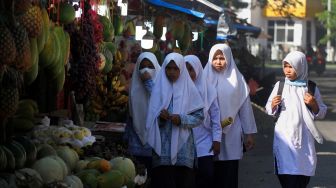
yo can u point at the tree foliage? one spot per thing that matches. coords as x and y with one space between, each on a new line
328 23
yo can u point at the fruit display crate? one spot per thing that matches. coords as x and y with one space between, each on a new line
108 132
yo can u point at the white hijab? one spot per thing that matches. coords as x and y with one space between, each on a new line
208 92
230 84
293 92
185 97
139 97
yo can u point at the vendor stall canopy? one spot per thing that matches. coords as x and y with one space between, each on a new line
210 14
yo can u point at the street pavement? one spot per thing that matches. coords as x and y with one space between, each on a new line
256 169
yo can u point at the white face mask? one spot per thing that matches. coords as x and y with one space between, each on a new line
150 71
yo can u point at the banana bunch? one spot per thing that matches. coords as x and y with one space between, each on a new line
116 84
226 122
118 56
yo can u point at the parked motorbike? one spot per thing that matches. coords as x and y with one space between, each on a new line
319 63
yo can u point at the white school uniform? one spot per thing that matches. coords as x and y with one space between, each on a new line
185 99
210 130
295 132
139 97
234 101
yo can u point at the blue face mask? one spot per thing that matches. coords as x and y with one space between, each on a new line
151 72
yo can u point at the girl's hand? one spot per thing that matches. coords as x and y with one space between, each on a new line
145 76
164 114
175 118
275 102
310 101
249 142
215 147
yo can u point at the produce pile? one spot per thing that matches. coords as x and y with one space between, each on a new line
45 53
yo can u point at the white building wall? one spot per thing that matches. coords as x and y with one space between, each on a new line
298 30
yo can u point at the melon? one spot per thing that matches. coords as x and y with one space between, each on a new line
111 179
69 156
67 13
3 160
30 148
89 177
80 165
10 160
125 166
32 178
49 169
73 181
45 150
62 163
18 152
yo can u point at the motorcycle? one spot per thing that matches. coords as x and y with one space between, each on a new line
319 64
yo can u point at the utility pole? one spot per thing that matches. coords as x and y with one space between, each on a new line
329 50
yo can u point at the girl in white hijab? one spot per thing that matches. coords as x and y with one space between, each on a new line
236 113
143 78
208 135
175 108
295 131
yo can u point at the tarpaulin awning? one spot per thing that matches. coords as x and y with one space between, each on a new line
161 3
247 28
238 26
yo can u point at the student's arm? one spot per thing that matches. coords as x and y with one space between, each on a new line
215 121
322 107
191 120
248 124
247 118
216 126
268 106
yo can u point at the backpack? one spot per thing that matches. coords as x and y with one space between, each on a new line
311 90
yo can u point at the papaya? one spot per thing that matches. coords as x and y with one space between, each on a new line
158 26
117 25
108 29
102 165
67 13
178 29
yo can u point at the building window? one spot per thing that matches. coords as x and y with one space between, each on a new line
282 31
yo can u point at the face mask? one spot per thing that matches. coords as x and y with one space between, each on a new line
150 71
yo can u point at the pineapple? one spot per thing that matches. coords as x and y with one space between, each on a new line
7 46
9 91
21 6
32 21
23 56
